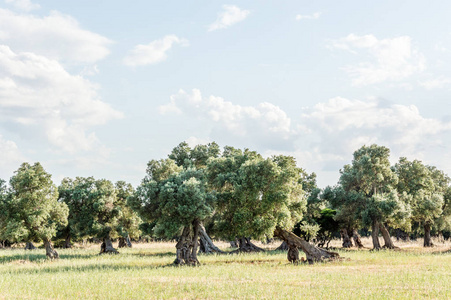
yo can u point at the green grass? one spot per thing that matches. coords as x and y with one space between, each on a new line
145 272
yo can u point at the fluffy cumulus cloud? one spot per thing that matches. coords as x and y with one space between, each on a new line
56 36
263 123
313 16
230 15
153 52
11 157
341 126
38 95
391 59
25 5
322 138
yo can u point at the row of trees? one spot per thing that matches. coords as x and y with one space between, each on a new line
203 192
408 195
33 209
235 194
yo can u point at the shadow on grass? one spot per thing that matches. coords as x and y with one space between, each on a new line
40 257
160 254
54 269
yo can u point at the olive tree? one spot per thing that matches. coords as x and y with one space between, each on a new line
371 177
34 212
424 187
197 158
177 200
93 209
259 197
128 221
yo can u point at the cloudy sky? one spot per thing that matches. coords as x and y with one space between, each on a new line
99 88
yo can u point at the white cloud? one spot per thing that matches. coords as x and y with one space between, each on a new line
38 95
348 124
153 52
25 5
390 59
230 15
11 158
323 138
56 36
436 83
313 16
194 141
263 123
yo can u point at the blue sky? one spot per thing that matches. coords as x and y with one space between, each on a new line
99 88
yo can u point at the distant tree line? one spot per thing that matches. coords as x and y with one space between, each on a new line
204 193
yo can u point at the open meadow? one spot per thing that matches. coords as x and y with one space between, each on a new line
145 272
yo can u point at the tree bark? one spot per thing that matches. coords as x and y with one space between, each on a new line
206 244
186 247
347 243
375 235
386 235
427 235
234 243
293 254
182 248
107 247
29 246
49 251
245 245
67 243
356 238
193 258
313 253
125 242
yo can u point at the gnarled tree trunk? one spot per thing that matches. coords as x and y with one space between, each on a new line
107 247
182 248
293 254
234 243
29 246
427 235
356 238
49 251
375 235
347 243
67 243
313 253
186 247
125 242
386 235
193 258
245 245
206 244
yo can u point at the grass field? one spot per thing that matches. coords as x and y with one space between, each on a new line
145 272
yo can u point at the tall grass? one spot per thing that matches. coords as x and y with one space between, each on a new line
145 272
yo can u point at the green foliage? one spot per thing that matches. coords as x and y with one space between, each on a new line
254 194
370 172
424 188
308 231
159 170
347 205
197 157
93 207
370 184
32 210
173 202
128 221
